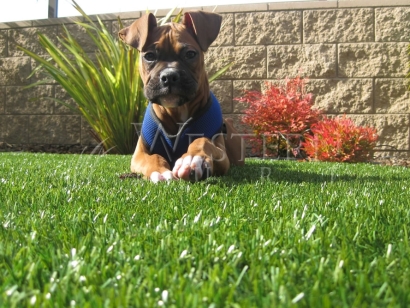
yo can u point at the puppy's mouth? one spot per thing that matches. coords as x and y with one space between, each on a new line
171 100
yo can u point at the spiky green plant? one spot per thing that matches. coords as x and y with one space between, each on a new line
107 90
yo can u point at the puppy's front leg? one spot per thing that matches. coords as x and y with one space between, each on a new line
153 167
203 158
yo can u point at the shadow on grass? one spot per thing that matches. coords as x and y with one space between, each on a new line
290 171
276 171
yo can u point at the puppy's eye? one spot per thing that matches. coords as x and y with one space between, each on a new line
150 56
190 54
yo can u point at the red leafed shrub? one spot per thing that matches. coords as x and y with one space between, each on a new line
340 140
283 110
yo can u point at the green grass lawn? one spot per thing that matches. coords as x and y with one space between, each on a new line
272 233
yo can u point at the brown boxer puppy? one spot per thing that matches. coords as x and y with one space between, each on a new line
183 135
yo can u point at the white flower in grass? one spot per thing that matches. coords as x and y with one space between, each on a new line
164 296
389 249
183 254
298 298
230 249
310 232
10 291
74 263
33 300
197 217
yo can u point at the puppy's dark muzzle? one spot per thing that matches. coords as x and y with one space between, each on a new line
170 77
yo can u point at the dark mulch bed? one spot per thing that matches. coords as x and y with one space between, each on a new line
93 149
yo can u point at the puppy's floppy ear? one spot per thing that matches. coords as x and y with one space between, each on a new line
205 26
136 35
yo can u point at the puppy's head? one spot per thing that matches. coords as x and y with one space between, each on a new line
171 59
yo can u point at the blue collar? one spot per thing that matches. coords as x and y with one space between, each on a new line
171 147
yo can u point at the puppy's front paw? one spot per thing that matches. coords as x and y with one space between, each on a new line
192 168
160 177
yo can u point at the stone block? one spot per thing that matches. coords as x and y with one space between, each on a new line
267 28
86 133
81 35
55 129
342 95
3 43
39 74
14 71
297 5
390 155
223 92
226 34
57 21
62 95
373 60
28 39
239 88
29 101
393 24
14 129
245 7
338 26
250 61
2 127
371 3
393 130
16 24
2 100
317 61
392 96
128 15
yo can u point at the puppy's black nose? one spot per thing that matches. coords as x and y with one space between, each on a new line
169 77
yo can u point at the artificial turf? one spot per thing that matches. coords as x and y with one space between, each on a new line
269 234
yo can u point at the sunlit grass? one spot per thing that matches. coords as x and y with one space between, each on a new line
272 233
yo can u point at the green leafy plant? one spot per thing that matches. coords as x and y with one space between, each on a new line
279 116
107 89
340 140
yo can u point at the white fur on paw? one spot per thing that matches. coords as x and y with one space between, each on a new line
176 168
156 177
190 168
167 175
160 177
196 168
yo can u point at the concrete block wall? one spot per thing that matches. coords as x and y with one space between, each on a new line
355 54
